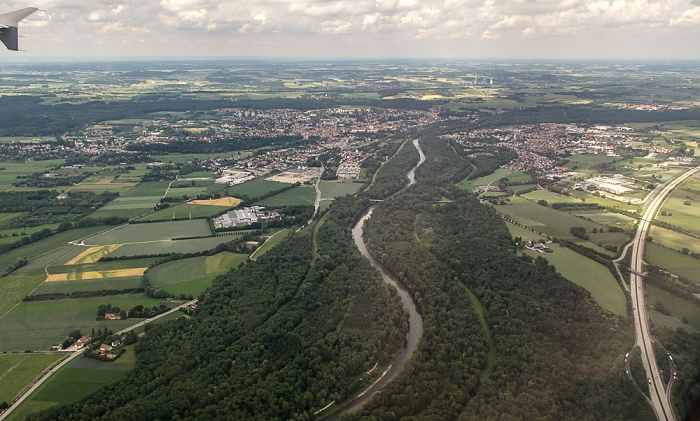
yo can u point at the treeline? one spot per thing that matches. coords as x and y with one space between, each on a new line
81 294
47 206
684 347
540 324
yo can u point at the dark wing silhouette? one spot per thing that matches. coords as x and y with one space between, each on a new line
8 26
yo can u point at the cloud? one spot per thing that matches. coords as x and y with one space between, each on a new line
370 26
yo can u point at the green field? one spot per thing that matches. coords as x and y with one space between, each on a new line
303 195
485 180
333 189
592 276
192 276
518 177
43 246
255 188
270 243
190 192
36 325
149 188
684 215
186 210
152 232
673 261
164 247
17 371
678 307
547 220
675 239
71 383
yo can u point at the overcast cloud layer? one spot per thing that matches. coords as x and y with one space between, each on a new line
361 28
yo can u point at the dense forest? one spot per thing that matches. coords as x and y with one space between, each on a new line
300 328
505 336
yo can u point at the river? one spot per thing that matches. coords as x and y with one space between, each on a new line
415 320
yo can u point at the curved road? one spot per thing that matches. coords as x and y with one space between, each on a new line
659 398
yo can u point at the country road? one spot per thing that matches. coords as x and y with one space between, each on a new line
659 397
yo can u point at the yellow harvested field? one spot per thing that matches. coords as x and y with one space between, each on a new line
93 254
105 274
224 201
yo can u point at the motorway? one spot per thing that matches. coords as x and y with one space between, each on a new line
659 397
76 354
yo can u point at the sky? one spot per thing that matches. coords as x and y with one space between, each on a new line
507 29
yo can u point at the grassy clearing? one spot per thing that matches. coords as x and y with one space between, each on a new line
17 371
157 231
678 307
333 189
255 188
592 276
303 195
36 325
683 207
193 274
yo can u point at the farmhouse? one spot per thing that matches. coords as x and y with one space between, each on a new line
105 348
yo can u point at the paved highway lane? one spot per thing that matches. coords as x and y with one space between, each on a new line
659 397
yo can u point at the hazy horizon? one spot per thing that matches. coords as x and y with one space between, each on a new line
363 29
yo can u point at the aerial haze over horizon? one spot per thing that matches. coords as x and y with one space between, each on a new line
571 29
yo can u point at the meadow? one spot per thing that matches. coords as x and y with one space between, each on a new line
193 275
17 371
333 189
186 210
673 261
75 381
675 239
193 245
255 188
683 206
590 275
302 195
152 232
678 307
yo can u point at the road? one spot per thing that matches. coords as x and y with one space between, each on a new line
659 398
77 354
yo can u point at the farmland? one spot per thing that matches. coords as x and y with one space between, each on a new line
192 276
592 276
673 261
151 232
36 325
677 307
333 189
71 383
272 241
485 180
16 371
255 188
188 210
303 195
